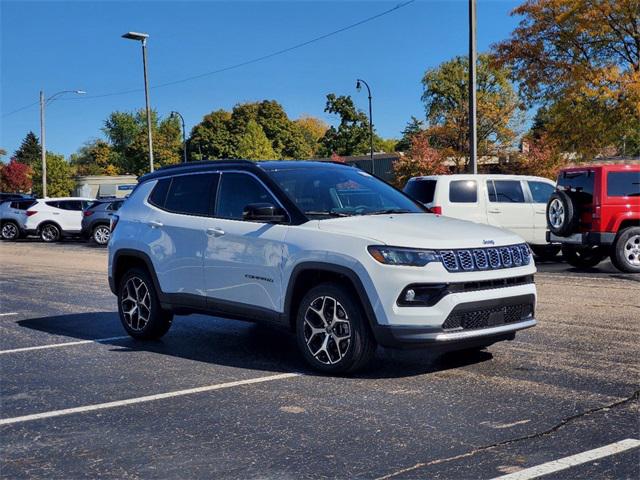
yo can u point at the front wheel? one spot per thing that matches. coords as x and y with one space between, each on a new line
101 234
332 330
10 231
625 253
583 256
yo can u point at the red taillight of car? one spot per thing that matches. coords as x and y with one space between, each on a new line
28 213
437 209
88 213
113 223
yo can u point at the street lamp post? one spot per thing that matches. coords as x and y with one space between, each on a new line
142 38
184 136
473 137
359 87
43 154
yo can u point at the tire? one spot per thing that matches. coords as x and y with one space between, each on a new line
101 234
50 233
583 257
355 345
545 252
625 252
10 231
139 307
562 215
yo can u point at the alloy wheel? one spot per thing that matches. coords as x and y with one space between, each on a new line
50 233
9 231
556 213
327 330
632 250
136 304
101 235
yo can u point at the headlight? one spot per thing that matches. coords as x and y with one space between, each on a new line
411 257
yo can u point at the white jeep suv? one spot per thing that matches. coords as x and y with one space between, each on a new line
336 255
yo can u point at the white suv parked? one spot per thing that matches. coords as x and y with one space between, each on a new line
514 202
341 258
53 218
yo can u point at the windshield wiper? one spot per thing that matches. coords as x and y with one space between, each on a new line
388 210
326 213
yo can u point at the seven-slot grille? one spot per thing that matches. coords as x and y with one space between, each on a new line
485 258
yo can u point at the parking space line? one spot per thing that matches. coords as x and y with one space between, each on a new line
65 344
148 398
7 314
573 460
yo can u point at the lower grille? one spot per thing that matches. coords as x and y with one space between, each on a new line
488 317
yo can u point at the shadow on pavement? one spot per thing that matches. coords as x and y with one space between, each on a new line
240 344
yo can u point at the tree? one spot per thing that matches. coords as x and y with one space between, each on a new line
16 177
413 126
386 145
543 158
60 173
446 104
351 137
580 59
421 159
211 138
29 151
254 144
313 129
95 158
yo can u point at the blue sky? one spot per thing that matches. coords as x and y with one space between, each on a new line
58 45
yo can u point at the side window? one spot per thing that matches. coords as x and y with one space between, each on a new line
540 191
237 191
74 205
190 194
115 206
463 191
623 184
506 191
159 193
53 204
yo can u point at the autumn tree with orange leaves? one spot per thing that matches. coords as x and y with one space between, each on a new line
581 60
420 159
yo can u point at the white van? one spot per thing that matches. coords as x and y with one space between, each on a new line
514 202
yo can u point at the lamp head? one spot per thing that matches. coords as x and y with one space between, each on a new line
136 36
358 85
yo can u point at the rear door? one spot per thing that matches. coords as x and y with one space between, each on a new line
508 208
70 215
463 200
539 193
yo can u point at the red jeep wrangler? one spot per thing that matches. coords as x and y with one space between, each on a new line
595 213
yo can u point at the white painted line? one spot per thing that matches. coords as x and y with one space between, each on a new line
7 314
148 398
572 461
65 344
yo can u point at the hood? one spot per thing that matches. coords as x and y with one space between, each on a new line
420 230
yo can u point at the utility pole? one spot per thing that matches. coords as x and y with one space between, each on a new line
43 153
184 135
473 139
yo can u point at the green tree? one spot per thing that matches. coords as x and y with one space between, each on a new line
313 129
211 138
60 176
29 151
254 144
446 104
413 127
95 158
351 137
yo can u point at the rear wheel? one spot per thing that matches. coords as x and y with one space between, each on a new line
562 215
139 307
546 252
50 233
10 231
101 234
625 253
583 256
332 330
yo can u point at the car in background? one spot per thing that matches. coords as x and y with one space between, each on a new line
96 220
7 197
514 202
13 215
54 218
595 213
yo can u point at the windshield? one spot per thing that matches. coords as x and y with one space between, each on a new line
337 191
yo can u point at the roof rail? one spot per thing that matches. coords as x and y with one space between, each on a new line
198 165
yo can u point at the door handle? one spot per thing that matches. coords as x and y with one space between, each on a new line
494 211
154 224
215 232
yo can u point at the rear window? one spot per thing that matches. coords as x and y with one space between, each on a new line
94 204
463 191
579 184
623 184
190 194
505 191
421 190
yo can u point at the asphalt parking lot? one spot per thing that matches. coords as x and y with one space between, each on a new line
223 399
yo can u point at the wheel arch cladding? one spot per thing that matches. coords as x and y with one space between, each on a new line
125 260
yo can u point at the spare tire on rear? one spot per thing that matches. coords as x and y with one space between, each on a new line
562 214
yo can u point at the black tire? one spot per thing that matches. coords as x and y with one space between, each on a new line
132 312
545 252
562 215
625 251
10 230
583 256
50 233
101 234
346 355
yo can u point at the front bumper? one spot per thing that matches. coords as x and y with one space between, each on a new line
586 238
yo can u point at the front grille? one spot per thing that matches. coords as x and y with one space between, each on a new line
488 317
485 258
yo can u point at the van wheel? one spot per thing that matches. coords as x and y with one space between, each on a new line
50 233
101 234
625 253
139 307
332 330
10 231
583 256
545 252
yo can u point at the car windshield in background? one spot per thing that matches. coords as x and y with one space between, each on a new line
335 192
421 190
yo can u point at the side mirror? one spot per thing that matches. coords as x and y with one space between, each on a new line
263 212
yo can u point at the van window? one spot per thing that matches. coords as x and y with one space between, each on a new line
190 194
623 184
421 190
463 191
540 191
505 191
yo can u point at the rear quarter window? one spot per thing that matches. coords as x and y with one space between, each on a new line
159 194
463 191
623 184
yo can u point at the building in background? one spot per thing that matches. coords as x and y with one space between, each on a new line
100 186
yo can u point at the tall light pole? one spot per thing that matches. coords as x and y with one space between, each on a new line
184 135
43 154
142 38
473 140
359 83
